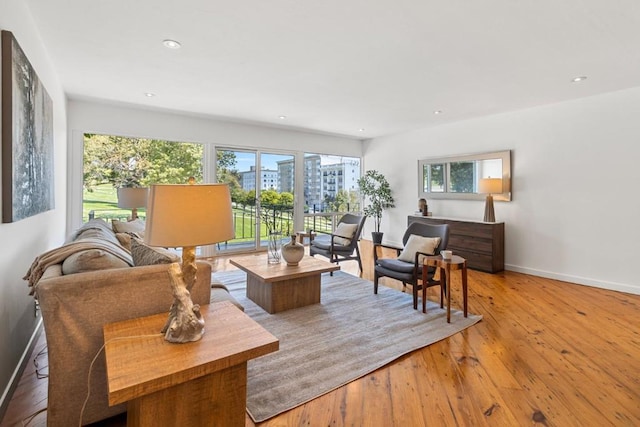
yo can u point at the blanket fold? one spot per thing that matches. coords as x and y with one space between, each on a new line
58 255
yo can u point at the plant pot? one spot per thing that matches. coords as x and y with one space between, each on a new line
376 236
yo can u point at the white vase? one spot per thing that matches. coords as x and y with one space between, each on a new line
292 252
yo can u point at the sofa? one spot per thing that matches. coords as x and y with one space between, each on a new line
99 276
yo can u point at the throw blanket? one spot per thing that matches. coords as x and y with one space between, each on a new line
58 255
93 224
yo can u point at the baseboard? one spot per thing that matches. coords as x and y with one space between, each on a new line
613 286
17 373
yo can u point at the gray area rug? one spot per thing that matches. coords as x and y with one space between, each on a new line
351 333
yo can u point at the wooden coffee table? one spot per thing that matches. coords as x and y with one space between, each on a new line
279 287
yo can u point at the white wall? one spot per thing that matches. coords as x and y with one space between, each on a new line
22 241
575 209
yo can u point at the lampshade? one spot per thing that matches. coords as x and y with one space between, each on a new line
132 197
490 186
188 215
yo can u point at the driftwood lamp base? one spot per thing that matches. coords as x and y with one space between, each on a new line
185 322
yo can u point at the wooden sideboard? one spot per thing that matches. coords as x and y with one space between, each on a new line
480 243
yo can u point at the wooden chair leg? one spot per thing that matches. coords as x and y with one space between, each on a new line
443 284
424 298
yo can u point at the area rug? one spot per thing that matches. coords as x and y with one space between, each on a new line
351 333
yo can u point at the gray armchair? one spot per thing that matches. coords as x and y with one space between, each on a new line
407 266
342 244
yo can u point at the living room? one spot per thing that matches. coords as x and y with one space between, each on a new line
573 212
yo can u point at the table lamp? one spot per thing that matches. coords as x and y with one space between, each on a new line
187 216
489 186
132 198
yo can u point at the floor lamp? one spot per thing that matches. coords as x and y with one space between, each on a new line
187 216
489 186
132 198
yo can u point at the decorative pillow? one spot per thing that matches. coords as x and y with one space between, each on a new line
135 226
346 231
147 255
417 243
125 239
90 260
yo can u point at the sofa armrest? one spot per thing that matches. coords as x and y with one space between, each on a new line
74 309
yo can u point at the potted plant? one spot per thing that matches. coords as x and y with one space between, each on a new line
375 187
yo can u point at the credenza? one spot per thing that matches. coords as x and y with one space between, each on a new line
480 243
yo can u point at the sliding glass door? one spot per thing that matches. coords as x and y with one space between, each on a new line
262 194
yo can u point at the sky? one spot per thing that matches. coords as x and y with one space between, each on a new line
244 160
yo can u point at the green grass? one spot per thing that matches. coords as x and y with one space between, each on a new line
103 200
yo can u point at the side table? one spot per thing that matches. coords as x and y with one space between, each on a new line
201 383
446 266
302 234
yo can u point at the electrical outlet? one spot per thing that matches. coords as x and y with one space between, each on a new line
36 308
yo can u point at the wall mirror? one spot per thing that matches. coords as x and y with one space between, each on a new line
460 177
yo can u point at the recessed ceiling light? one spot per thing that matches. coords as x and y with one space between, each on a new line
282 117
361 130
579 79
149 94
171 44
437 112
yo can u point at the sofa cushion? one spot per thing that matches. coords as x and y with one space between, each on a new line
219 293
125 239
90 260
135 226
147 255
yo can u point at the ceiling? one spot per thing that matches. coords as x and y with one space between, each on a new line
358 68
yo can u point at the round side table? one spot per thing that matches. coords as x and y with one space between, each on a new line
446 266
302 234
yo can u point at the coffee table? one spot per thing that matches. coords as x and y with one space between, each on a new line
279 287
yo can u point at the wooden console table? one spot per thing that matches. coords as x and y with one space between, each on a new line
201 383
480 243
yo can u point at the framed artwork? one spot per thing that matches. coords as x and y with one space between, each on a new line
27 137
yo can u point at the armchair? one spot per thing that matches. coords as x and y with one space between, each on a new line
407 266
342 244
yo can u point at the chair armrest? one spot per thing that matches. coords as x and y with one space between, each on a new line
333 236
387 246
338 235
419 266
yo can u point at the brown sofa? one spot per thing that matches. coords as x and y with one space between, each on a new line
74 309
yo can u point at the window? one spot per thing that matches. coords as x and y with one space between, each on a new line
111 162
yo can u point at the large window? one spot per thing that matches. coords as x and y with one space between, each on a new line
330 189
111 162
287 191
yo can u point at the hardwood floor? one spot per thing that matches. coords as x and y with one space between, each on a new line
546 352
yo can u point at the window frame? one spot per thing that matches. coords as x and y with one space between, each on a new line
424 168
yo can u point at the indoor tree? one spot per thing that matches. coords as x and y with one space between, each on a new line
375 187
